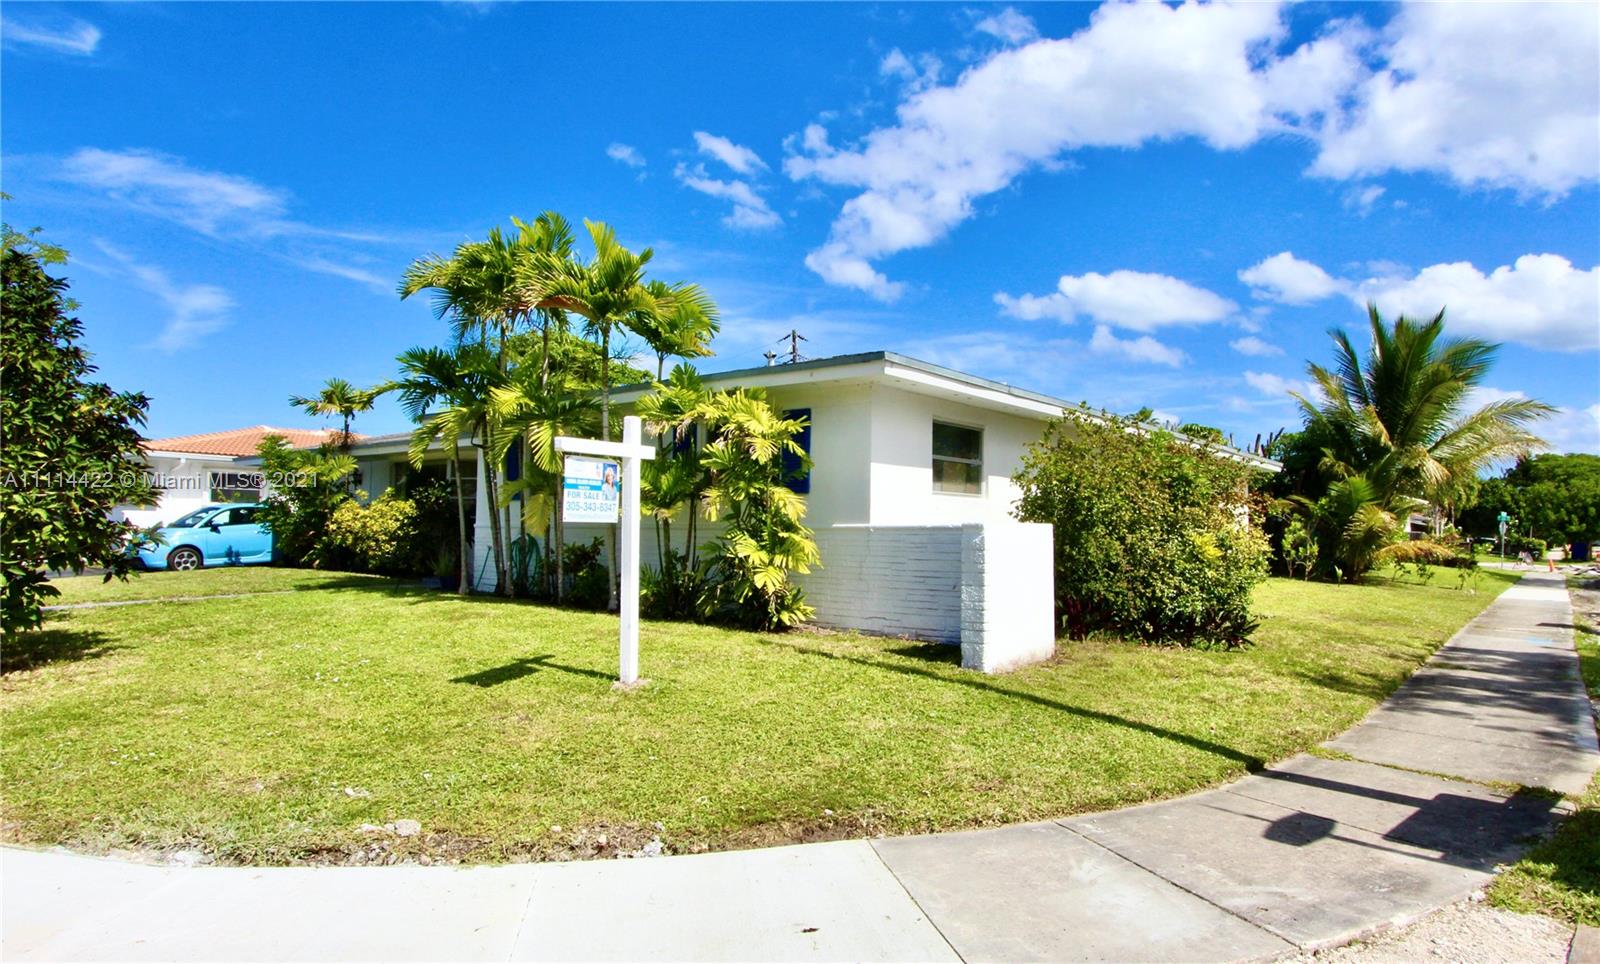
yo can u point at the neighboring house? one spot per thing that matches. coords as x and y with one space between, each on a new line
191 471
910 496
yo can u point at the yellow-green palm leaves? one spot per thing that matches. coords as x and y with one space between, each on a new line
337 398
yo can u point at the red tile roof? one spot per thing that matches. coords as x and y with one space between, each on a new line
242 441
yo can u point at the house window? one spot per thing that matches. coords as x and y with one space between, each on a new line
957 459
793 477
235 486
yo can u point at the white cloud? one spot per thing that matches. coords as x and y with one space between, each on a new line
349 272
1488 395
1141 349
77 37
1285 278
1276 386
750 210
196 310
1494 95
162 185
738 158
1484 94
1115 83
1251 345
1572 430
1540 300
227 207
1129 299
921 75
1008 25
1568 430
1361 198
625 154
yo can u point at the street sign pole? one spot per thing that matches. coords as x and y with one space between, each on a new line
631 452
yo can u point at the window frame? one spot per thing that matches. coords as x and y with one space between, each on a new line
934 458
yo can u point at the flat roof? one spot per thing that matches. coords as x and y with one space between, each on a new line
955 375
867 358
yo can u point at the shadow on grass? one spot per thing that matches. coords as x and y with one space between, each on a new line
951 655
41 647
1374 686
517 669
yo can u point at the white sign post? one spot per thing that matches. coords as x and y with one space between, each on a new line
589 494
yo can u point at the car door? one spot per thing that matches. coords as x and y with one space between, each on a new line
254 539
239 537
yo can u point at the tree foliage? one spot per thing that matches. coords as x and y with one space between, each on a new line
1555 498
69 447
1151 537
1392 434
309 485
738 479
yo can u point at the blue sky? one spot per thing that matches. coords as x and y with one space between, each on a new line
1163 206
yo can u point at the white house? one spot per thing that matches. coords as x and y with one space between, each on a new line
192 471
910 497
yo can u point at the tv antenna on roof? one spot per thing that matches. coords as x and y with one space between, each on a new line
794 338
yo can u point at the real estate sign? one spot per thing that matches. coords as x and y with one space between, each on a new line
590 489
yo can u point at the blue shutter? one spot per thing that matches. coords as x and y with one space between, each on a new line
685 443
514 461
791 462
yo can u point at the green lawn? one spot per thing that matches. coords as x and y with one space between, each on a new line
270 728
1561 876
205 582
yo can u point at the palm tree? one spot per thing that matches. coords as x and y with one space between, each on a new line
538 411
1397 421
457 378
337 397
476 288
682 327
610 290
675 477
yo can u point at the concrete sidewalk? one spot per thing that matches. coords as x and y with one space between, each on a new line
1309 853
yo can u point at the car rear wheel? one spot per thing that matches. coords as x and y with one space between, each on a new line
184 559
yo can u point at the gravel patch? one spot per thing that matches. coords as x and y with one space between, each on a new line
1467 933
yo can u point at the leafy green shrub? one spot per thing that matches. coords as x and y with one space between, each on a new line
739 478
1299 548
588 579
308 485
1150 540
382 537
673 591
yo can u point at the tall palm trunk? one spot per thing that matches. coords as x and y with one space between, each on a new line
463 556
613 602
605 382
491 491
561 545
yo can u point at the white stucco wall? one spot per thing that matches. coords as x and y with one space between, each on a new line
901 459
1007 595
188 487
899 558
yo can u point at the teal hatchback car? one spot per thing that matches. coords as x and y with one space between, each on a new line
217 535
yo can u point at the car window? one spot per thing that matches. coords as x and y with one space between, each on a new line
223 518
193 519
243 516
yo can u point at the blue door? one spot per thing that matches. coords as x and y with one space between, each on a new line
238 537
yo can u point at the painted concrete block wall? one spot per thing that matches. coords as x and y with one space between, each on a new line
891 580
1007 595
